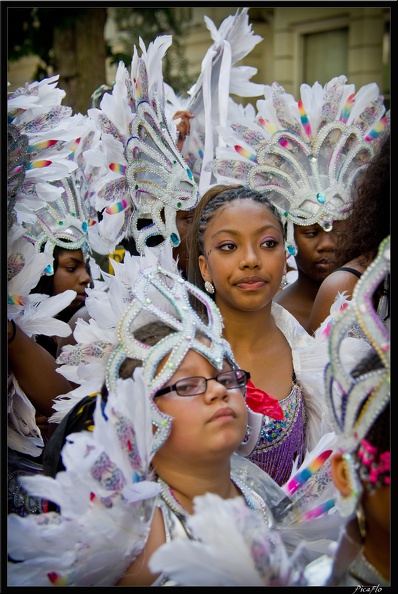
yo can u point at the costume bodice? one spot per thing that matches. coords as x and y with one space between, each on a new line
282 442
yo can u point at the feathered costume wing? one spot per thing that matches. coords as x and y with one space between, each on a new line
105 499
233 548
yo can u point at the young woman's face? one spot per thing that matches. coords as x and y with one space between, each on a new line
316 250
244 255
205 425
72 274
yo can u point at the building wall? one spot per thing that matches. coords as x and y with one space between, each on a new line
280 56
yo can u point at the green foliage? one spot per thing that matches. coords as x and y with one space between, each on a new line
31 30
148 23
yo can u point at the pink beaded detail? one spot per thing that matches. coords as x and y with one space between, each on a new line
375 467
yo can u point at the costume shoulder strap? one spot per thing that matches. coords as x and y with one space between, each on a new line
348 269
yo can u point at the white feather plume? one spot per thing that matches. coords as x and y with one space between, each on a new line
105 497
233 548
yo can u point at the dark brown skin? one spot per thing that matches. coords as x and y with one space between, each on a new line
35 370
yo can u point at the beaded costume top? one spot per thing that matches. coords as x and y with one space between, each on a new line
281 442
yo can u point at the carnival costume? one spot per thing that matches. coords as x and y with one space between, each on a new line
108 486
281 433
44 210
108 480
305 155
254 556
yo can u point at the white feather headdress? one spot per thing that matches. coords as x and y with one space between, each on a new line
305 154
141 179
43 210
42 193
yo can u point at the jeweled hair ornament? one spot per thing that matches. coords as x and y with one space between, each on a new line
142 179
43 195
346 394
307 153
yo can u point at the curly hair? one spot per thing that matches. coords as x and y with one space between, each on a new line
212 200
369 220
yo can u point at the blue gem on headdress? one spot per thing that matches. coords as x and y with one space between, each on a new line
189 172
61 223
292 250
84 226
174 239
73 214
321 197
49 269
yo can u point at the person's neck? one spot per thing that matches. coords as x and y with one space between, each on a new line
247 327
183 486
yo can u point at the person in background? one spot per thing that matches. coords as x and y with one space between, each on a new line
315 260
72 272
44 213
362 232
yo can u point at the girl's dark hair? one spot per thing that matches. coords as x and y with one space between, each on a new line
211 201
369 220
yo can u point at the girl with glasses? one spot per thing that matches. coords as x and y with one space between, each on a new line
163 431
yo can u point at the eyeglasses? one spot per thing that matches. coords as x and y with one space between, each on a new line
193 386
